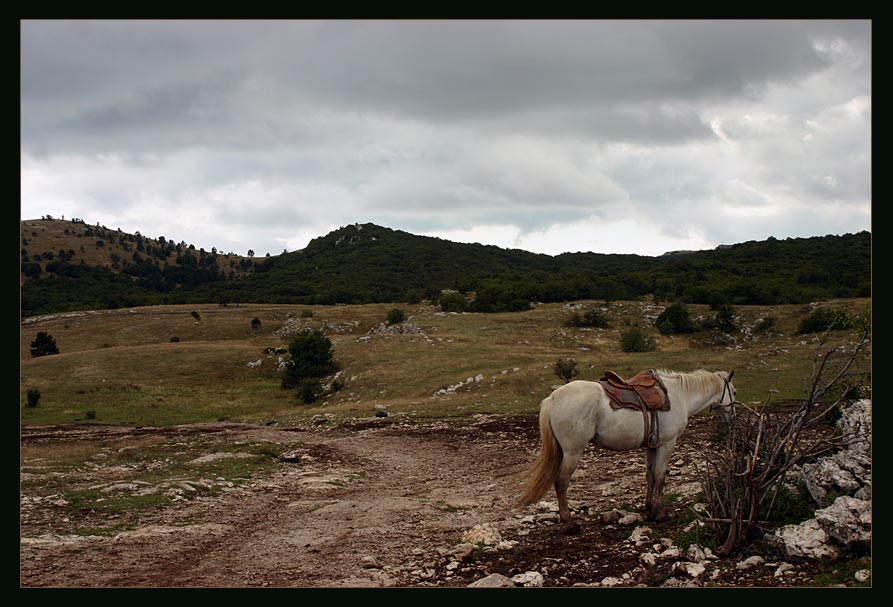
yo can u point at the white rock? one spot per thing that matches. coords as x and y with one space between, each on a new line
750 562
696 553
610 581
689 569
648 558
484 533
630 519
494 580
862 575
640 535
847 520
529 579
782 569
806 540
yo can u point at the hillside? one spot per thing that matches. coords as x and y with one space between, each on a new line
71 266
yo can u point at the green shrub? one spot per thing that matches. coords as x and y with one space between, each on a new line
674 319
635 340
195 315
825 319
307 313
452 302
566 369
725 318
310 390
396 316
33 397
311 357
174 339
43 345
91 414
590 318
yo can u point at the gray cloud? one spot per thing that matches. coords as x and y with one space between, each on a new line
448 125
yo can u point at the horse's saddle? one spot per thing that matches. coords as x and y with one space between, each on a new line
642 391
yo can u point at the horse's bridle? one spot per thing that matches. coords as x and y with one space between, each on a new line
726 388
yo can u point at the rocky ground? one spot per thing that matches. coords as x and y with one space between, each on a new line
379 502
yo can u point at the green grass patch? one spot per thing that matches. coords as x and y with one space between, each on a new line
843 572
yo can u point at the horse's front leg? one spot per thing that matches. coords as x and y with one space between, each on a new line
656 461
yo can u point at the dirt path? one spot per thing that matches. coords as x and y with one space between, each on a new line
378 503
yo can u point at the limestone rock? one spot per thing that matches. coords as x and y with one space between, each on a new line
806 541
484 533
494 580
848 521
529 579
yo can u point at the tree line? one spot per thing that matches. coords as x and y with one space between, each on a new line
373 264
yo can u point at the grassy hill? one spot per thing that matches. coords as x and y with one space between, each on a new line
126 367
71 266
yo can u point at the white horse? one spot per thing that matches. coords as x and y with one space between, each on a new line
580 412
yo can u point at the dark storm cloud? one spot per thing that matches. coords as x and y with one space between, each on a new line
457 124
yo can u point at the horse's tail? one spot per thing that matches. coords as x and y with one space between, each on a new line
543 473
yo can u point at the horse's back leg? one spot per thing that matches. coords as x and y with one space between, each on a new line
656 461
568 465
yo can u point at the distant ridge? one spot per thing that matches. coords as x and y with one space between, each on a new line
365 263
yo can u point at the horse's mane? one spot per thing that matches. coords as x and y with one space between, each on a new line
699 380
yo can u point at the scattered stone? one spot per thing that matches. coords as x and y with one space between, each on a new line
848 521
690 569
463 552
494 580
529 579
750 562
783 569
484 533
640 535
610 581
806 540
862 575
213 457
696 553
621 517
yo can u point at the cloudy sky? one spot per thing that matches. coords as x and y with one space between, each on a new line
550 136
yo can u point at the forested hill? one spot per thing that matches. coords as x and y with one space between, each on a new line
368 263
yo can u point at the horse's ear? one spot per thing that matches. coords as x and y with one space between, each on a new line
731 373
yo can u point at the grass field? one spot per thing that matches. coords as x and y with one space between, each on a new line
160 366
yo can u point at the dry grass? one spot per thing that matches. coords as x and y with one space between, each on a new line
122 365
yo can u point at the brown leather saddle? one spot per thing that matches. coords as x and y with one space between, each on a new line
643 392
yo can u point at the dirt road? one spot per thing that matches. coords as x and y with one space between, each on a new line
378 502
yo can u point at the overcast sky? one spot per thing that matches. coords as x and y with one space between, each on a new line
549 136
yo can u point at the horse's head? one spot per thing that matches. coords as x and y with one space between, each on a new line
724 406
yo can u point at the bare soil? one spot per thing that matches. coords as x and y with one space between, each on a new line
375 502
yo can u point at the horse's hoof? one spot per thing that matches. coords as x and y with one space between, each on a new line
571 528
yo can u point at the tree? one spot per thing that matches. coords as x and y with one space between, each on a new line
43 345
255 324
250 253
452 302
195 315
725 318
33 397
674 319
396 316
635 340
311 359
